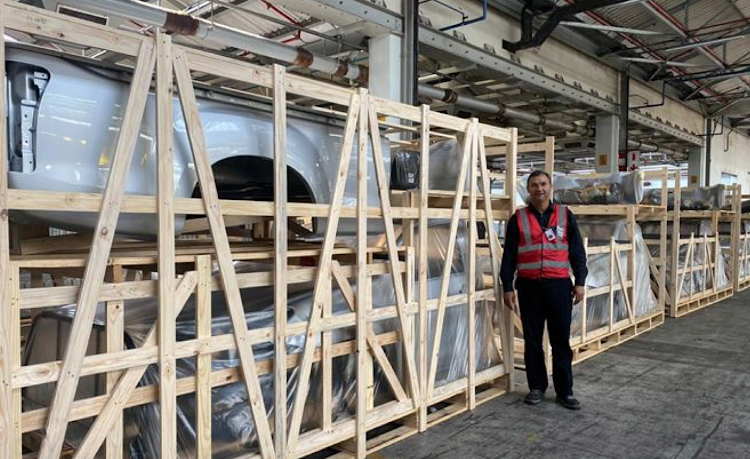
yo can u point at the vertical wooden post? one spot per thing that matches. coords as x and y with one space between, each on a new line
203 376
663 251
14 352
471 272
549 154
630 276
8 448
735 236
424 190
362 291
326 357
166 246
115 342
612 255
57 422
280 261
509 316
675 255
584 303
506 325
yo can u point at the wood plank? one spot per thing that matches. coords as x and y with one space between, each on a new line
115 330
41 23
8 445
210 196
424 192
392 245
280 258
166 246
126 385
363 292
322 279
203 361
100 247
471 272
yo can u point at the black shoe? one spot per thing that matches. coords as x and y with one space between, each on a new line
533 397
569 402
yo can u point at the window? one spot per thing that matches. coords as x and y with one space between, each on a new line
728 179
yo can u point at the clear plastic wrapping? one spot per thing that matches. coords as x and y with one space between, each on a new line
232 423
700 198
599 231
616 188
695 282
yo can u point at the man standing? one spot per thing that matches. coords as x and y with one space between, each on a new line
541 243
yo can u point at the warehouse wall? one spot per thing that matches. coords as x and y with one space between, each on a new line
730 156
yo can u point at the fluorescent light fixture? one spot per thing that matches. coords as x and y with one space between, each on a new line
701 44
8 38
609 28
646 60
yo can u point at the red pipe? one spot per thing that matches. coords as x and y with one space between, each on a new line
283 14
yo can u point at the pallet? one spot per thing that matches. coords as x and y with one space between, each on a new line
703 300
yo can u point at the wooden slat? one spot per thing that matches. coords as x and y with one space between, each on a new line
100 247
471 272
392 245
203 361
445 280
115 330
38 22
377 351
166 247
322 279
8 447
210 196
280 260
424 191
116 401
363 293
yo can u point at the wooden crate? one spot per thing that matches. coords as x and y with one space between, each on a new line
741 251
184 269
678 303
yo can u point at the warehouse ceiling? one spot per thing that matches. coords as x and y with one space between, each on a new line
697 48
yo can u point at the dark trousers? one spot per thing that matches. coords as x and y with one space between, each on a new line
547 300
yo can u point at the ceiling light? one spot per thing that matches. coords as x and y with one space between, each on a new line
701 44
646 60
609 28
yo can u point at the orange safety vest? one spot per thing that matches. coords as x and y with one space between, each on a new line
543 252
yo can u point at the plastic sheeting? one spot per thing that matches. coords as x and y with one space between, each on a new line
232 423
599 231
693 283
616 188
701 198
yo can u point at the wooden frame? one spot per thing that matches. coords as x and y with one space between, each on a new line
184 269
709 247
741 246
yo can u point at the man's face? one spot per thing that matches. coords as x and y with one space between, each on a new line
539 188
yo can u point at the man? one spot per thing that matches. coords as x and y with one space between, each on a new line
542 242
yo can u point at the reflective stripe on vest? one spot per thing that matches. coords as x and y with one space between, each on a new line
539 257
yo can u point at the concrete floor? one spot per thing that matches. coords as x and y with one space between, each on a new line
680 391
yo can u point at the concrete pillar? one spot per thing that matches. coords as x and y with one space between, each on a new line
697 166
385 67
607 144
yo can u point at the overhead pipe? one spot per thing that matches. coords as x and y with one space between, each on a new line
178 23
496 108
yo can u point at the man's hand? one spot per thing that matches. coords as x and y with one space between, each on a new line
510 300
577 293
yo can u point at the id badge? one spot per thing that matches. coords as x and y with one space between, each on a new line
550 233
